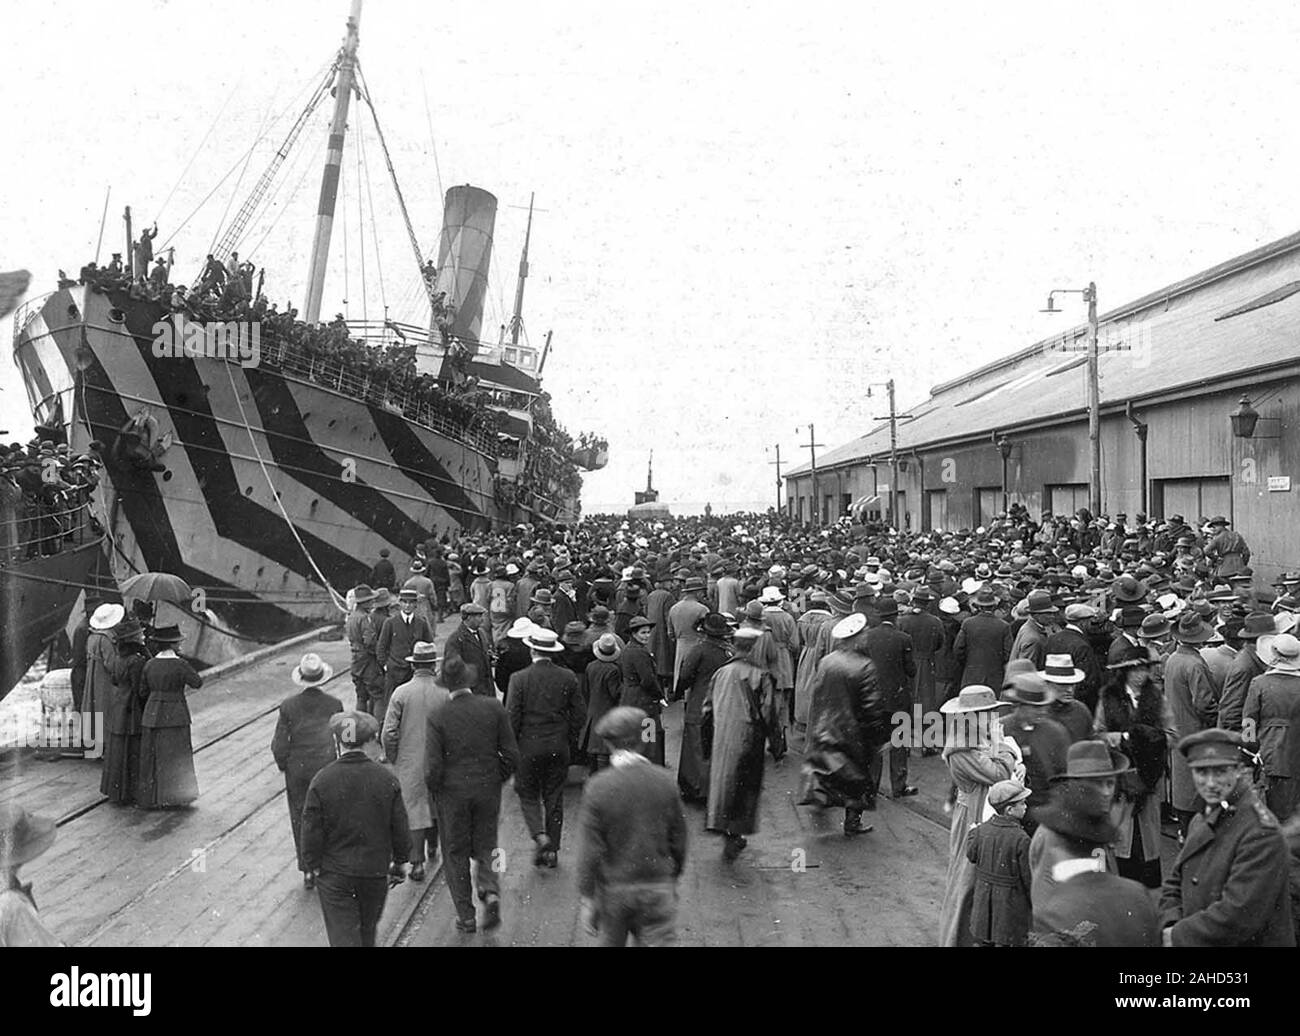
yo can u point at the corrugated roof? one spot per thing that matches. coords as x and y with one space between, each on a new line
1171 338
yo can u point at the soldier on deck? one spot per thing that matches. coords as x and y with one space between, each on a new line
1229 885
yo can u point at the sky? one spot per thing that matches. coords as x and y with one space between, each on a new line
749 213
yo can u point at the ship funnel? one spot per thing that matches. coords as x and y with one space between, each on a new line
464 253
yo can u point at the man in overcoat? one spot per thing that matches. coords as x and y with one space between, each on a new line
1031 640
927 633
302 744
983 645
1192 699
397 639
891 653
641 688
1229 886
1073 641
1245 666
700 660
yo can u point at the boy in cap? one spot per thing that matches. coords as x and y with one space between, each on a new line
354 833
633 845
999 849
1229 884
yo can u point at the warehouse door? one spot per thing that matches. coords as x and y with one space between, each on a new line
935 518
1067 498
988 503
1194 498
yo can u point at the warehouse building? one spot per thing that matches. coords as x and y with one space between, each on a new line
1199 387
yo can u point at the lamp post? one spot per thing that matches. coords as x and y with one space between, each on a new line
1004 448
1094 393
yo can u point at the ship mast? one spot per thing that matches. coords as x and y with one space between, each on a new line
329 188
517 321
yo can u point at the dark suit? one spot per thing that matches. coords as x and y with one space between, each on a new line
353 828
546 715
1072 642
303 746
471 751
471 647
891 653
397 640
927 635
641 690
1095 909
982 650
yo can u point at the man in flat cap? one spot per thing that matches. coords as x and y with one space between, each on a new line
633 840
1229 884
354 833
469 642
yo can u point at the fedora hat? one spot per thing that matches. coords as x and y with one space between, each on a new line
361 593
383 598
1128 590
1022 684
1061 669
1039 602
886 607
1218 519
1078 813
541 639
23 836
1280 652
573 632
1256 625
975 698
694 585
106 616
167 635
985 598
1092 759
1154 626
771 595
1192 629
543 597
949 606
1132 655
607 648
714 624
423 653
311 671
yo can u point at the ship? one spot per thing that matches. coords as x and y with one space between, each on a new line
271 487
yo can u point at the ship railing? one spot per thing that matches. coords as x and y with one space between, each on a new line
28 312
32 530
392 392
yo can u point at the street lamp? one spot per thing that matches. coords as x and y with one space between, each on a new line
1244 419
1094 394
1004 447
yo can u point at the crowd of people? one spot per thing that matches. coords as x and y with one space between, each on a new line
43 487
382 373
1097 697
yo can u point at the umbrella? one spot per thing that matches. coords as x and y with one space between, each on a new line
157 586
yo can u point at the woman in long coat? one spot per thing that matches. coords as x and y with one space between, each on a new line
977 759
1273 706
702 658
404 739
1132 716
740 704
120 778
603 685
167 776
101 663
815 635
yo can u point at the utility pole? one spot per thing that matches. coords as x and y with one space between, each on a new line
894 415
777 462
1094 405
1094 390
811 445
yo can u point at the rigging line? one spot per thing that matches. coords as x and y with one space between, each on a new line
432 142
334 594
392 172
208 198
180 179
216 235
361 226
374 226
306 171
347 291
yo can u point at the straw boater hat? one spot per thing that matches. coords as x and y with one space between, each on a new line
1061 669
106 616
23 836
849 626
771 595
975 698
606 648
311 671
541 639
423 653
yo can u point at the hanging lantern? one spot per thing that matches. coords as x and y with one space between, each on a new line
1244 419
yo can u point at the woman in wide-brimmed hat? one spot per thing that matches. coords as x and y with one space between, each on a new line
604 687
23 837
1273 712
120 777
167 776
977 759
1132 717
101 662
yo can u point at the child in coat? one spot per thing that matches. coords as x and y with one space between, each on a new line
999 848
